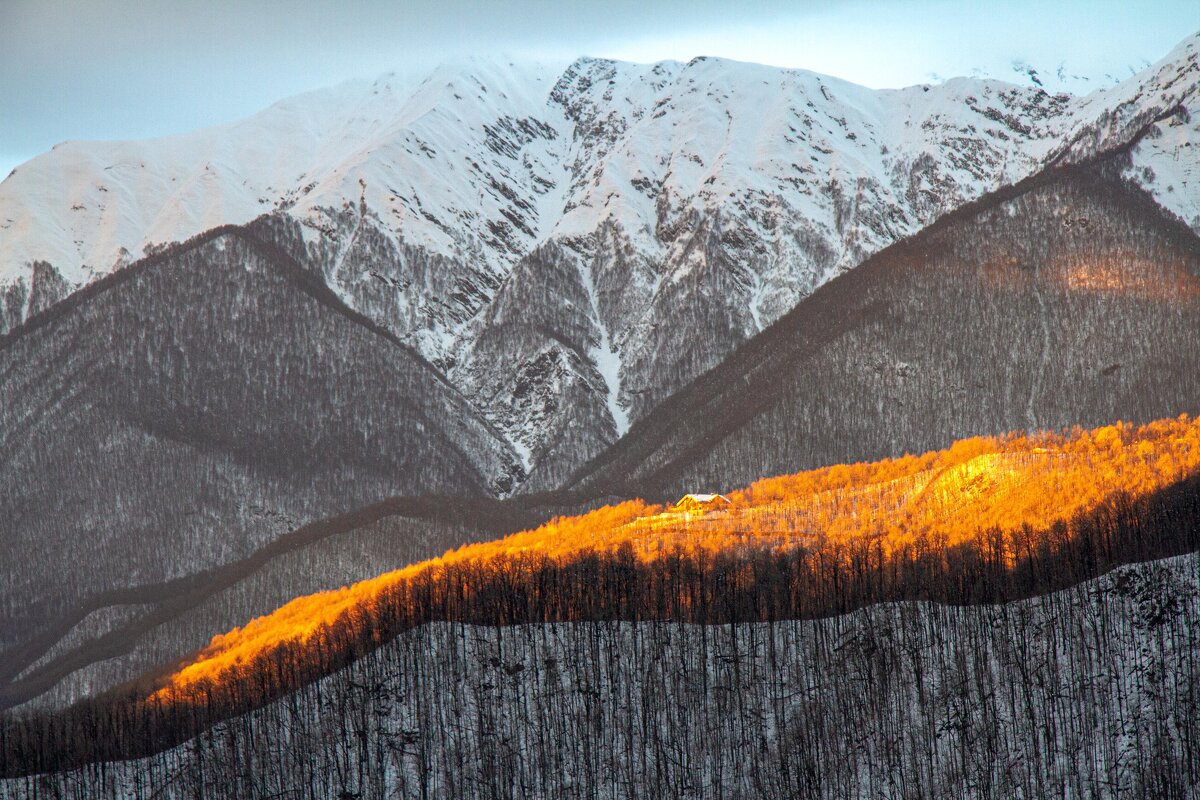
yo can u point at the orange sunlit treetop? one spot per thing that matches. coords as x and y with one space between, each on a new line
942 498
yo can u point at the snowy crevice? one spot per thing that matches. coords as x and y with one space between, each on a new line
605 356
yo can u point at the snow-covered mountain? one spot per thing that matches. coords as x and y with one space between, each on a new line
571 247
1166 162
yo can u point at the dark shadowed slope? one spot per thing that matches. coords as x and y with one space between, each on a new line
195 407
1072 300
117 635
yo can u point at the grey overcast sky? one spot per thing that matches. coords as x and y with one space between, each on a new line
117 69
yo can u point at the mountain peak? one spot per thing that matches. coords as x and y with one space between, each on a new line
428 200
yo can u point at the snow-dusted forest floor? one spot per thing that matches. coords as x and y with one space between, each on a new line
1087 692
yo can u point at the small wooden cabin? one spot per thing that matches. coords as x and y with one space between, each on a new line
703 502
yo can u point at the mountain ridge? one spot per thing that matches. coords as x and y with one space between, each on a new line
938 527
419 199
834 323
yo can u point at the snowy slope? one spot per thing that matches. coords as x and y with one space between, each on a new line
1167 164
685 206
86 206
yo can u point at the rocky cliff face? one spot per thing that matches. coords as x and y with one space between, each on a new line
571 247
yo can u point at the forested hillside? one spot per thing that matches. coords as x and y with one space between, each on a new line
193 409
987 521
1092 690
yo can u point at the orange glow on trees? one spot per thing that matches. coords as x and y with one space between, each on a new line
1004 499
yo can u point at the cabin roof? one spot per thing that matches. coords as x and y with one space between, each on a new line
703 498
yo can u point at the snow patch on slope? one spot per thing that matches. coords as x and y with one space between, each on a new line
608 362
605 356
1167 165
